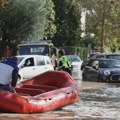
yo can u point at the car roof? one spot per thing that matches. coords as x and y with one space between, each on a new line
72 55
113 54
32 56
96 53
101 59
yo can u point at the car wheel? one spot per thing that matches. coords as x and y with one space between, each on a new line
100 79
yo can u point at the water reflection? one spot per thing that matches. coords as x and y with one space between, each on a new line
97 101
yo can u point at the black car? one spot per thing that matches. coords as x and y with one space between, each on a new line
102 70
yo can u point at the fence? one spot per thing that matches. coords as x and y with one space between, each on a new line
80 51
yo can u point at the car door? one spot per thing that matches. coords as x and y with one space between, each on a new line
90 72
28 68
94 70
40 65
48 64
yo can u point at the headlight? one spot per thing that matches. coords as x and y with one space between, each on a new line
106 72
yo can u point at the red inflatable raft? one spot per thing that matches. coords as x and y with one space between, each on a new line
48 91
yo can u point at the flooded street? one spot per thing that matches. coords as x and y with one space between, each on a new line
97 101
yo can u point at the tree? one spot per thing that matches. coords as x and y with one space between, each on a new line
23 20
4 6
67 23
102 20
50 16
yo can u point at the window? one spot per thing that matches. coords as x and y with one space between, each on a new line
33 49
48 61
29 62
40 61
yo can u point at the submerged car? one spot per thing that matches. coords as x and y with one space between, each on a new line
32 65
76 66
102 70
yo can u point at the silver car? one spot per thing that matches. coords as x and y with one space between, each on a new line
76 66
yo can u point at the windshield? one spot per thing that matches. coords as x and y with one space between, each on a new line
33 49
113 57
73 58
19 59
109 64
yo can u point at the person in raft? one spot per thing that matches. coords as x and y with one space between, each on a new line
9 74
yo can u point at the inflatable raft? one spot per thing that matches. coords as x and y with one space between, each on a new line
47 91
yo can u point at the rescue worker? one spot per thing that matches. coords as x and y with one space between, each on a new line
9 74
63 62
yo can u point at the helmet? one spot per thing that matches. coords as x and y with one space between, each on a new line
61 52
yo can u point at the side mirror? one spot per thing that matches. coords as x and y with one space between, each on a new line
22 66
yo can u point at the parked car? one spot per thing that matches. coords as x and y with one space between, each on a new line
93 55
32 65
102 70
76 66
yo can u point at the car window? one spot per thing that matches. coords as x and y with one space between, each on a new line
104 64
48 61
89 62
73 58
40 61
29 62
93 55
19 59
100 56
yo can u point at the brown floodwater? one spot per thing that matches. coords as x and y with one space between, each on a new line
97 101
